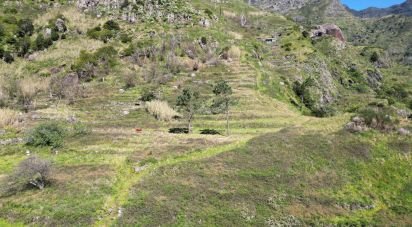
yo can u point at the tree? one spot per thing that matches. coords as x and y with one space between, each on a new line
374 57
189 102
223 100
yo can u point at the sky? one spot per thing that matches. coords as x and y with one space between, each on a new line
363 4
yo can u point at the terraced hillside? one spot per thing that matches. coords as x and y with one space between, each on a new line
78 104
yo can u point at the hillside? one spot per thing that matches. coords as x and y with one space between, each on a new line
203 113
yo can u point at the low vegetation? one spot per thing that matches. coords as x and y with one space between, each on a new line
9 117
47 134
31 172
161 110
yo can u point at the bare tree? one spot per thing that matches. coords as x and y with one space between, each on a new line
32 171
243 20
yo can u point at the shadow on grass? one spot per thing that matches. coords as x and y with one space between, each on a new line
210 132
179 130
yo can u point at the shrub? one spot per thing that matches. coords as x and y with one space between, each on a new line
42 43
47 134
130 81
33 171
111 25
25 27
67 87
125 38
7 57
8 117
80 129
28 88
88 63
54 36
2 32
203 40
374 57
234 52
148 96
161 110
380 118
23 47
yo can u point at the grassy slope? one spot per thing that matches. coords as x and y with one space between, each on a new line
277 166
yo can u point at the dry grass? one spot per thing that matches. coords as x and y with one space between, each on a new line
229 14
234 53
161 110
235 35
3 93
8 117
75 18
29 87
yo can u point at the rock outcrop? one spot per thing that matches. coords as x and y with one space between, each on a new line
172 11
328 30
281 6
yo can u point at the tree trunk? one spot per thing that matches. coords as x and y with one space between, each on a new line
190 124
227 122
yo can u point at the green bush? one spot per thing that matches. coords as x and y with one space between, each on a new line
47 134
42 43
25 27
23 47
148 96
80 129
111 25
374 57
54 36
7 57
379 117
87 63
2 32
125 38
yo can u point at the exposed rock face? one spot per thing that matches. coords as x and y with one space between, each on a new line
281 6
60 25
374 78
401 9
356 125
328 29
172 11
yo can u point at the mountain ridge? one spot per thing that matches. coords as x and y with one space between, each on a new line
374 12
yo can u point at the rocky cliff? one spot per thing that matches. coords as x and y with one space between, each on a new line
173 11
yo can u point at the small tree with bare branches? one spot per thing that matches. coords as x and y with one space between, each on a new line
33 171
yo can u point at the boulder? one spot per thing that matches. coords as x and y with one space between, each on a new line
374 78
60 25
356 125
204 22
328 30
404 132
